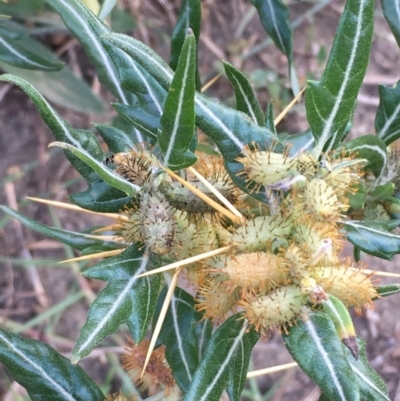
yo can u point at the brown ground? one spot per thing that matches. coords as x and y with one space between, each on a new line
24 139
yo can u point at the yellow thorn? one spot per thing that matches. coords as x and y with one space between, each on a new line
112 238
288 107
274 369
161 318
112 227
210 82
104 254
200 194
216 193
376 272
75 207
188 261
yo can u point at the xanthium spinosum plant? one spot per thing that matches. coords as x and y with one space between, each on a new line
253 229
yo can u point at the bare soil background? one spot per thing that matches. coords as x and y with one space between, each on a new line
25 293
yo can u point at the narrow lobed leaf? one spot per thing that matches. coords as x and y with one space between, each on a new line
105 173
387 120
246 100
373 237
225 362
178 119
330 103
189 17
125 299
179 336
75 240
391 11
13 52
315 346
46 375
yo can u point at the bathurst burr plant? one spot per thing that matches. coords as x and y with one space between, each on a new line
253 229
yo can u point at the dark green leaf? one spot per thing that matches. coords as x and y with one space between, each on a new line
373 237
116 139
368 147
225 362
391 11
19 52
46 375
125 299
189 17
387 120
104 172
315 346
372 387
178 119
330 103
246 100
101 197
274 16
204 331
106 8
75 240
88 29
298 143
383 192
179 336
389 289
269 118
147 104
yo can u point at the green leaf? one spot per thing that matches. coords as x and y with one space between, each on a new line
383 192
368 147
75 240
88 29
269 118
204 331
315 346
101 197
372 387
106 8
274 17
391 11
225 362
298 143
246 100
189 17
387 290
46 375
178 119
179 336
330 103
23 9
116 139
19 52
104 172
146 107
387 120
372 237
125 299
